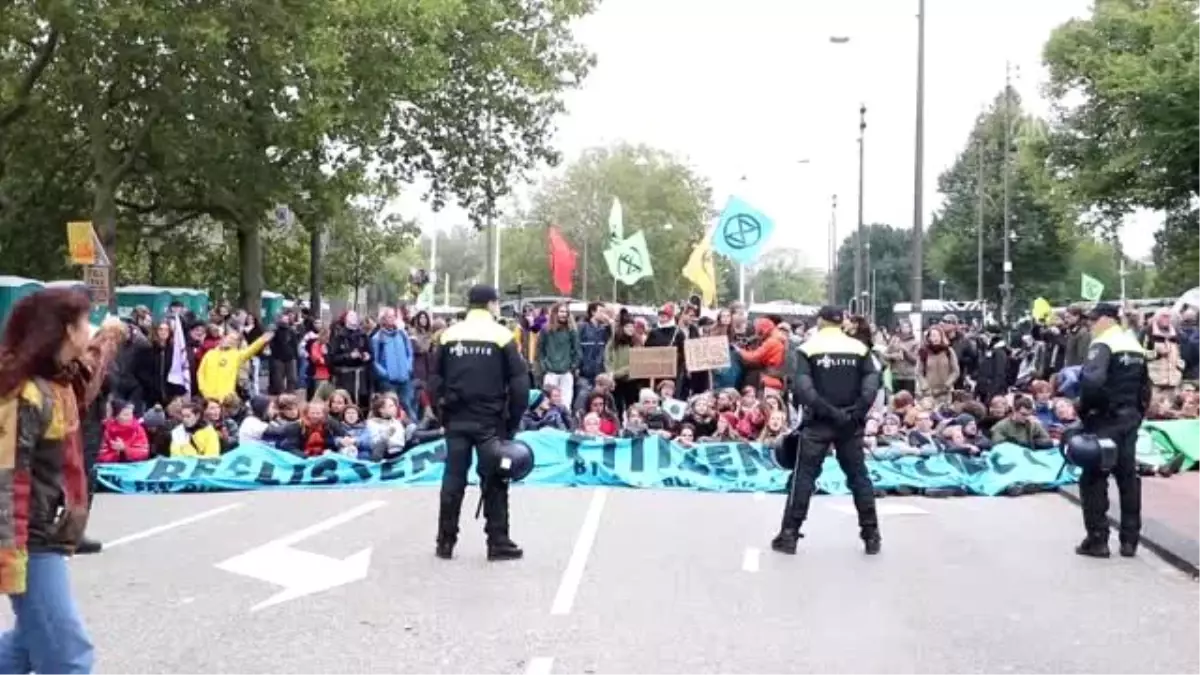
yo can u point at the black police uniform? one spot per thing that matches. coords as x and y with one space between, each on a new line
836 382
481 385
1114 394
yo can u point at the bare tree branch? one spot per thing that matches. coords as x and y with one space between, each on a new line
25 88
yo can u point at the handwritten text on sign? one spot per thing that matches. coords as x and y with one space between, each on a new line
706 353
652 363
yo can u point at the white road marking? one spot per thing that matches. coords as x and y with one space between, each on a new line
750 560
194 518
760 496
569 586
884 509
540 665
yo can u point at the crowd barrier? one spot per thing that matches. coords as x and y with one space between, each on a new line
568 460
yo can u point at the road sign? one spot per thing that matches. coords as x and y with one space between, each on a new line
96 278
302 573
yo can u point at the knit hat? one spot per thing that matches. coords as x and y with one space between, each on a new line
154 418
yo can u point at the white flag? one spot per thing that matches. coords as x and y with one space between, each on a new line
616 224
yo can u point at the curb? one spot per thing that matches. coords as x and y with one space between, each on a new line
1156 537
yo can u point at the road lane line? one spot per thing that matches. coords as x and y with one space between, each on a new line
540 665
194 518
565 597
750 560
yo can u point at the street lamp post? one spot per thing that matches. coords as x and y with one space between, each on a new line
941 289
918 256
1006 289
860 276
831 291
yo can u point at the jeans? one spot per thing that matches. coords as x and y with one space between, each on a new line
255 370
48 636
407 393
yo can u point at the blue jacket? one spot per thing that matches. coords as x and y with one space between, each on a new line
392 353
592 341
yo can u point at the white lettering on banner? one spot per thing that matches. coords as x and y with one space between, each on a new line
302 573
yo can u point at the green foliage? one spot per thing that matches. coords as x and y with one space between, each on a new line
782 278
891 262
1177 253
1041 222
656 190
359 245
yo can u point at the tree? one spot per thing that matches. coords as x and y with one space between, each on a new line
360 242
891 265
1041 221
780 275
660 196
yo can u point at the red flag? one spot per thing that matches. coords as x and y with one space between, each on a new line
562 261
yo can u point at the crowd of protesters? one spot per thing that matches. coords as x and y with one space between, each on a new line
186 386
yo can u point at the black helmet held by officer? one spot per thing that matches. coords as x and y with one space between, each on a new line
480 385
1114 394
836 382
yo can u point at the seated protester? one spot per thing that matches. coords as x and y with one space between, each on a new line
558 408
194 437
124 438
972 433
871 434
751 418
312 436
997 411
666 389
1065 417
592 426
701 417
1043 406
1022 427
1161 409
536 415
891 432
287 408
1189 407
658 422
355 427
338 402
923 434
635 423
597 404
727 401
253 424
954 440
226 430
605 387
774 430
232 408
901 403
726 431
386 430
686 436
158 432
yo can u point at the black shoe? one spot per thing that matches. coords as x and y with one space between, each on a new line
872 542
444 550
1128 549
785 541
504 550
88 546
1093 548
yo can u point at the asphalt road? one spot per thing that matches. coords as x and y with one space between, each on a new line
630 581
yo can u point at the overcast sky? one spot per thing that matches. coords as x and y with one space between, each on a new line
751 87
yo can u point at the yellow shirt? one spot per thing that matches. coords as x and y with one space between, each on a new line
205 442
218 373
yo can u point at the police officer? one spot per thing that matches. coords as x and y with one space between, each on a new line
481 387
1114 394
836 382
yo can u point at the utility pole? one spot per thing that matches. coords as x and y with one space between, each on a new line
860 239
979 219
1006 288
918 255
833 266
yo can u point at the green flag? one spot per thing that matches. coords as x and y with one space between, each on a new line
616 223
1090 288
629 260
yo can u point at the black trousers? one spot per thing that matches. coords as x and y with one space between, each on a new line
1121 429
459 443
281 377
908 384
815 440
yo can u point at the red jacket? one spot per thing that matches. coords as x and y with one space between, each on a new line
770 356
316 356
132 434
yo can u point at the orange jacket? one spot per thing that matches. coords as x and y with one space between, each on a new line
770 356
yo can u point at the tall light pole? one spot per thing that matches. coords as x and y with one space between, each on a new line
918 253
979 218
1006 289
860 240
831 291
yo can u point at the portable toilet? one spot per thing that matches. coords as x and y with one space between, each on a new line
13 289
272 305
98 311
201 302
153 297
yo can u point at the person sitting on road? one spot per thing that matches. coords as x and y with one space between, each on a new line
386 433
124 437
541 414
1022 427
227 430
311 436
253 424
287 408
194 437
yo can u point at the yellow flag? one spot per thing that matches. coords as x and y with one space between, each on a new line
700 270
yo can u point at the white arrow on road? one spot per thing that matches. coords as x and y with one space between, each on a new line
302 573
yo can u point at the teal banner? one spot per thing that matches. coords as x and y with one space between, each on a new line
569 460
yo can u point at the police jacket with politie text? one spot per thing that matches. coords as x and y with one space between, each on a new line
836 378
1114 376
479 377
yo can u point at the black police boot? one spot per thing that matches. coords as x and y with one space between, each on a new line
872 542
503 549
785 541
88 546
1093 547
445 549
1128 549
